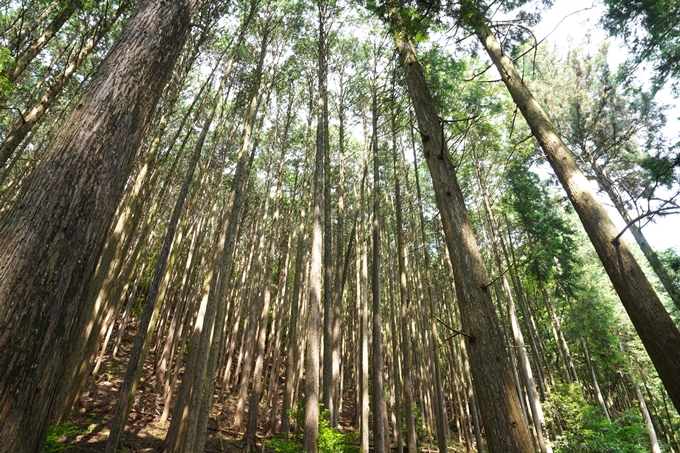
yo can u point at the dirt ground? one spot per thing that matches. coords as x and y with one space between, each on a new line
88 425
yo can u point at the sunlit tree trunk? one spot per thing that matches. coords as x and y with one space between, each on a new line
656 329
40 41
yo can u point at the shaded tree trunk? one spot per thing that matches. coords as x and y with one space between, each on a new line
51 239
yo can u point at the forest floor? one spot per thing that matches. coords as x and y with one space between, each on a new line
87 430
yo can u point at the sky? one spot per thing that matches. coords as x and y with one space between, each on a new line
570 21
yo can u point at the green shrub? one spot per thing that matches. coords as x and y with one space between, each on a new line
55 434
587 430
330 439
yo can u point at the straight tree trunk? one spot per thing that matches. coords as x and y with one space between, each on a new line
518 338
26 57
651 432
656 329
51 239
311 415
504 422
27 29
411 438
379 435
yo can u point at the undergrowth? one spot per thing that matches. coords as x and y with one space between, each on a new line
330 440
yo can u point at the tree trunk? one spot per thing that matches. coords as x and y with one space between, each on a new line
39 43
504 422
379 443
153 302
653 442
311 416
52 237
411 438
656 329
518 338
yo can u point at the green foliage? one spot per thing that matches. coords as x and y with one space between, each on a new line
56 433
6 62
650 29
333 441
587 430
330 439
282 445
671 260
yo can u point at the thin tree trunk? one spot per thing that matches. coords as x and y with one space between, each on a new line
518 338
411 438
653 442
22 61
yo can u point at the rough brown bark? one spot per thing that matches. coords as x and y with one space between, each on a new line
656 329
51 239
506 428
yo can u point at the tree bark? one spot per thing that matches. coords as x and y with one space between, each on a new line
656 329
504 422
51 239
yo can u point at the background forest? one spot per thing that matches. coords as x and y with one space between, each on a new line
290 226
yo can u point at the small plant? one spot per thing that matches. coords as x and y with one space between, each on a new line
56 434
587 430
333 441
330 440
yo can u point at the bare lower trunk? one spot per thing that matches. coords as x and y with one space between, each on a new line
504 422
656 329
651 432
51 239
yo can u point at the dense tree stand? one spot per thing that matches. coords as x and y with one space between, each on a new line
327 227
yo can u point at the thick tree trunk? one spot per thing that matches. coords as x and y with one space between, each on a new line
671 288
656 329
518 338
51 239
504 422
